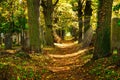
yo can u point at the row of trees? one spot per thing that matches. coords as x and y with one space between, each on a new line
33 40
12 20
102 42
18 21
48 9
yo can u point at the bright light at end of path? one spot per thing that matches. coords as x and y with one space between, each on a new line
68 34
20 1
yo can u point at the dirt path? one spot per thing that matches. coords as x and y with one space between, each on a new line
65 62
63 66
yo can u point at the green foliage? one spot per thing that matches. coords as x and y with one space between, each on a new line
115 51
74 4
107 74
96 70
116 7
12 17
44 71
66 16
23 55
105 68
18 72
18 78
4 27
118 22
1 65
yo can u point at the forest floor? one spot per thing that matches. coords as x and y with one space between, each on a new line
67 61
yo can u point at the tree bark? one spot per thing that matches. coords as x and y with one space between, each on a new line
49 37
57 38
48 8
88 14
48 22
86 23
0 39
33 22
115 35
80 21
102 43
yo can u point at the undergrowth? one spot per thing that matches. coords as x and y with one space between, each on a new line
104 68
17 68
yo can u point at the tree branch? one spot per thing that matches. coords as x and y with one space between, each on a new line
43 4
82 2
55 3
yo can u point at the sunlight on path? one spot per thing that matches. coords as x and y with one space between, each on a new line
68 55
66 62
65 45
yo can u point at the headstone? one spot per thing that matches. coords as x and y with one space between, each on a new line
115 34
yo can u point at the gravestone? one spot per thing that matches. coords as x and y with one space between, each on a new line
115 34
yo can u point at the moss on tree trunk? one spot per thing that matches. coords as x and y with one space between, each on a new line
48 33
49 39
102 43
33 21
115 34
47 11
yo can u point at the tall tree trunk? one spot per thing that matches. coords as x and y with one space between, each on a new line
48 22
48 8
115 35
49 36
102 43
33 22
22 38
88 14
0 39
80 21
86 23
57 38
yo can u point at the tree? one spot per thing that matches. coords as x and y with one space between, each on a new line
102 43
34 26
8 21
48 8
64 19
11 17
80 21
21 23
87 15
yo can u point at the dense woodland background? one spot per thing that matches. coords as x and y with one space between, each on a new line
50 39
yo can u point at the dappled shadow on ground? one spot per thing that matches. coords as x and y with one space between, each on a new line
68 63
56 64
